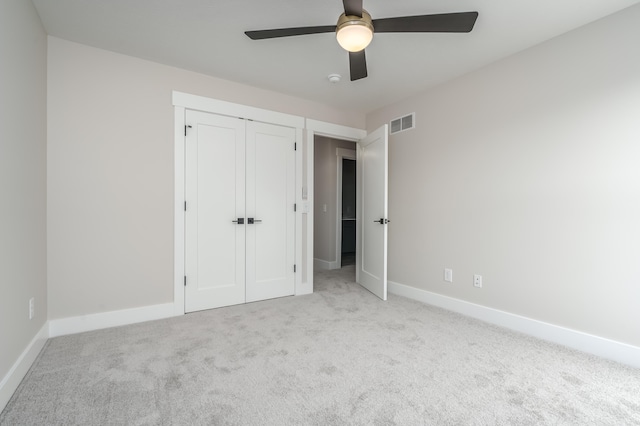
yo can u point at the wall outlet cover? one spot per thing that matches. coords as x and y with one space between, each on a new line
477 281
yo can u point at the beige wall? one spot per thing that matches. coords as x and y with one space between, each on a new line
528 173
23 121
110 173
325 192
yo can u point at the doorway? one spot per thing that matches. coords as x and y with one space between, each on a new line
348 212
371 152
335 201
372 199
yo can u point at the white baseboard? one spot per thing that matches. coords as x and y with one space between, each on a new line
324 265
321 265
605 348
61 327
304 288
19 369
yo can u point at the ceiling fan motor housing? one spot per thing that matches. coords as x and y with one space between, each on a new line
354 33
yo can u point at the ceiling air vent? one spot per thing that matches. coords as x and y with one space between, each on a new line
403 123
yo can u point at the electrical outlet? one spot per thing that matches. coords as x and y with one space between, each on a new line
32 309
448 275
477 281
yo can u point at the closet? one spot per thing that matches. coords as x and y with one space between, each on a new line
239 211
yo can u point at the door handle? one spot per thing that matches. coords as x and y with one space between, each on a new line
251 220
382 221
239 221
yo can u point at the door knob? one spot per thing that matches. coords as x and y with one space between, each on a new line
251 220
239 221
382 221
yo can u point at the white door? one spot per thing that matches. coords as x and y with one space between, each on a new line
372 200
239 233
270 206
215 192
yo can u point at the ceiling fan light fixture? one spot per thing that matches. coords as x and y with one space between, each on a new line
354 33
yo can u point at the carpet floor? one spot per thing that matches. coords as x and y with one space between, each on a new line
339 356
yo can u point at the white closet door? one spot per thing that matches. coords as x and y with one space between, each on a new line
270 204
215 189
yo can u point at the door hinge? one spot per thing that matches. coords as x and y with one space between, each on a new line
185 129
185 280
185 206
295 146
294 268
295 207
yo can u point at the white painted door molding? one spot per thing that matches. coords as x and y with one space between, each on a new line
183 102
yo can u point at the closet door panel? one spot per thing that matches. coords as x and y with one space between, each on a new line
215 188
270 202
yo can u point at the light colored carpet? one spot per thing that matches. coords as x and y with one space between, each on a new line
339 356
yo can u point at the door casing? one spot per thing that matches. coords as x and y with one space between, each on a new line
318 128
184 101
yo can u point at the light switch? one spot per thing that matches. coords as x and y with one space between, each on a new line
448 275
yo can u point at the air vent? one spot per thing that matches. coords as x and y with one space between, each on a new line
403 123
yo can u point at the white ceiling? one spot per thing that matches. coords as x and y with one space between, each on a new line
207 36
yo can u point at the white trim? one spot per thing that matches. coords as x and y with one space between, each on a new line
19 369
216 106
599 346
310 147
320 128
299 287
178 211
346 153
306 284
79 324
341 154
324 265
184 101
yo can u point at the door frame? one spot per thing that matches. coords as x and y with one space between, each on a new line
183 102
335 131
341 154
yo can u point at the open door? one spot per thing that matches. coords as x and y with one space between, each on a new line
372 201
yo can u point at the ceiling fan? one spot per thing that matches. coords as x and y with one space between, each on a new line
355 29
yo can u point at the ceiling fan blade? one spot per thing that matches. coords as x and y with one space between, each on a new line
288 32
357 65
462 22
353 7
